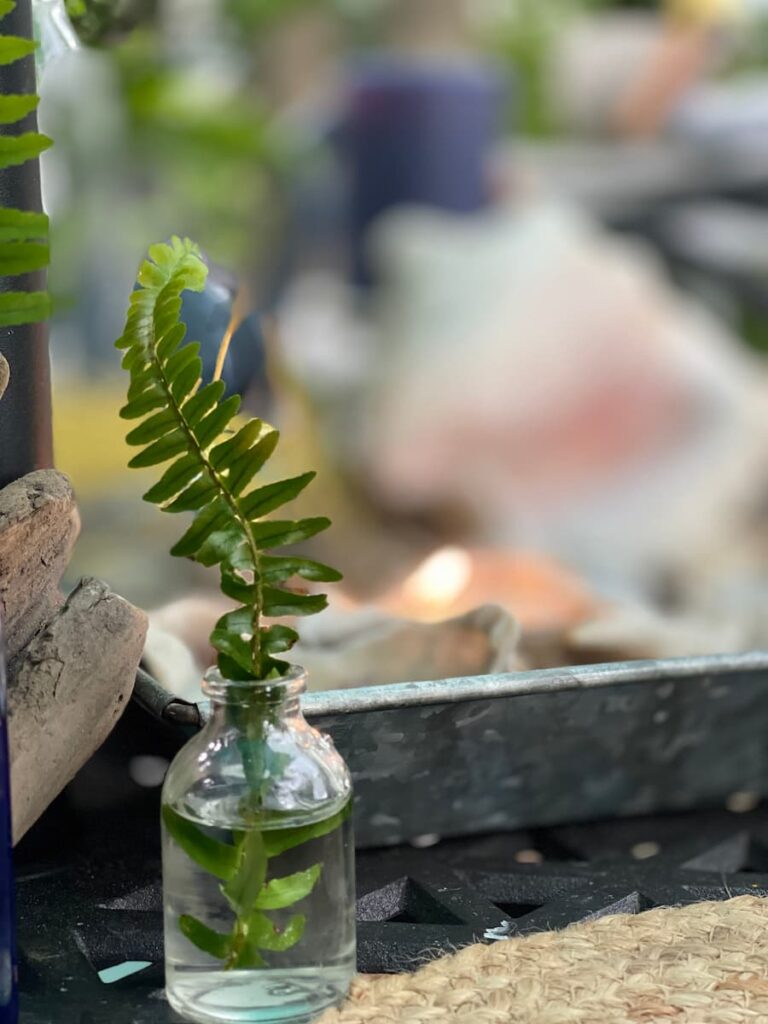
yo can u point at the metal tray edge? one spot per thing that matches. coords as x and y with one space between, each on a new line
151 695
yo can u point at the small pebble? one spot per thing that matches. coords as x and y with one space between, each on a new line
422 842
529 857
644 851
742 802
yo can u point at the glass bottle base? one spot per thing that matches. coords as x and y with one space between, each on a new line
257 997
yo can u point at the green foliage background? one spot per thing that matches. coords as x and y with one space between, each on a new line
23 234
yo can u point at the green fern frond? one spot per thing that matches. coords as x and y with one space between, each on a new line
14 107
18 308
213 469
13 48
17 149
22 257
23 234
20 226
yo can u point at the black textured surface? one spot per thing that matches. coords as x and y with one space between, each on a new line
89 886
417 902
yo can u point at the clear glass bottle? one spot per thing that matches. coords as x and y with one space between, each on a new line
258 861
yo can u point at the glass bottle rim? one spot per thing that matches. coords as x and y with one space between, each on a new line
218 687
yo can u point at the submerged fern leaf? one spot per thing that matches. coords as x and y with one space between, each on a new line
212 468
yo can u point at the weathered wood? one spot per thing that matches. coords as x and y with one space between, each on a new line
67 689
39 524
72 663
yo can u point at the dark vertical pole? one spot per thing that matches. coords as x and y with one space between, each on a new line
25 409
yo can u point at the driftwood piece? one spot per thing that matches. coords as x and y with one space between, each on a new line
72 662
5 374
39 524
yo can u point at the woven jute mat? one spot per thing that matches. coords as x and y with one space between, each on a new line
702 964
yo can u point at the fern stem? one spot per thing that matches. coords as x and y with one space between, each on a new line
234 506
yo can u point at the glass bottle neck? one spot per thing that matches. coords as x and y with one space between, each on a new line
254 710
268 699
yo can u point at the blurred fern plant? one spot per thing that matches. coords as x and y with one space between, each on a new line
23 233
212 471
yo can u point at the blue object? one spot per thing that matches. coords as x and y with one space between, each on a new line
417 132
109 975
9 1010
206 315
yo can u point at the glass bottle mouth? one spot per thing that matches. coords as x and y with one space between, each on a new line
221 690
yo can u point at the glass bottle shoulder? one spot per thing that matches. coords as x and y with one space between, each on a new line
288 774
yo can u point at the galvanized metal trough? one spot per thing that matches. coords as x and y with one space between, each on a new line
527 749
